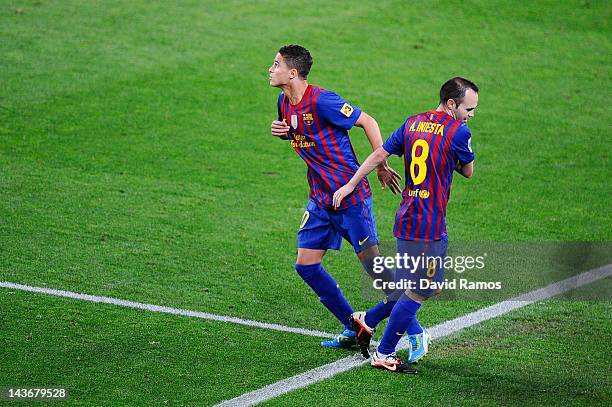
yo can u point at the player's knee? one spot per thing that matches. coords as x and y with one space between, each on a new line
309 257
419 296
368 254
425 295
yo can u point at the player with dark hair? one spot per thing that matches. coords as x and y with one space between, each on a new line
316 121
434 144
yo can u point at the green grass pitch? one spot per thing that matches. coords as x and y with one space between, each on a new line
136 163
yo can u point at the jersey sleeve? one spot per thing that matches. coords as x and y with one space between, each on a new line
461 145
395 143
278 105
336 111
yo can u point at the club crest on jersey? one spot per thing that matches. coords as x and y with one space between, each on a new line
294 122
307 118
347 110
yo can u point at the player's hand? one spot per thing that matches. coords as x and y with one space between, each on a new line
280 129
340 194
388 177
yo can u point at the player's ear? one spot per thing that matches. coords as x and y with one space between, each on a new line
293 73
451 104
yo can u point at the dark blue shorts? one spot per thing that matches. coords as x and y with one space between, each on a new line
324 229
426 264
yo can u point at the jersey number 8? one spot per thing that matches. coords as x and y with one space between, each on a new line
419 161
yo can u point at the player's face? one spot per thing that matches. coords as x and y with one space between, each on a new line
466 110
280 74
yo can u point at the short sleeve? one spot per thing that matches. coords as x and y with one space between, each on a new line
395 142
461 145
336 111
278 103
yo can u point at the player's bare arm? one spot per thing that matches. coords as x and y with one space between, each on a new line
465 169
373 161
386 175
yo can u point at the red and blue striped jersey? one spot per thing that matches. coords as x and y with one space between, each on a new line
431 144
318 133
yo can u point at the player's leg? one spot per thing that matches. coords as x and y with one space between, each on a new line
403 313
358 226
434 272
364 322
402 320
315 236
382 309
375 269
310 269
403 317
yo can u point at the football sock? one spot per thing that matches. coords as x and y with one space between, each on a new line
328 291
402 319
386 275
379 312
382 310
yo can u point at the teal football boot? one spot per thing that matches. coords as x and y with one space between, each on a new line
346 339
419 345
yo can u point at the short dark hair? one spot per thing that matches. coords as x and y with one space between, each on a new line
297 57
455 89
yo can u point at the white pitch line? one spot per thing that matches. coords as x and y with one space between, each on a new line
331 369
165 310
